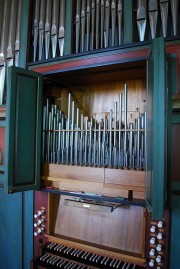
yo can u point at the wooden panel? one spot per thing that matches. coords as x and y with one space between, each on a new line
92 174
104 59
159 129
175 153
23 131
98 98
110 190
176 101
2 143
175 232
122 229
53 202
40 203
129 178
11 231
156 157
104 181
102 74
174 48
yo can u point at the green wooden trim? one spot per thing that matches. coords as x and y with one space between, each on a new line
2 123
23 133
28 207
171 58
11 231
176 118
159 129
68 27
171 82
23 32
2 168
128 21
175 233
175 185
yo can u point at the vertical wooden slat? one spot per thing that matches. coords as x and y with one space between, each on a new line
128 21
68 28
11 230
23 32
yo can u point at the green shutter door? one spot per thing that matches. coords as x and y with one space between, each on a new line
156 129
23 132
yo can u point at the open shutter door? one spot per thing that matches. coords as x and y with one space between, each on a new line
156 129
23 131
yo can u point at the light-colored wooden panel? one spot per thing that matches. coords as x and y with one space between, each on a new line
93 174
72 178
129 178
53 202
121 229
93 187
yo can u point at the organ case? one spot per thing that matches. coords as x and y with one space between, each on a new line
105 183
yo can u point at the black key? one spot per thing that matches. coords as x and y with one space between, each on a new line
112 262
56 261
84 254
124 266
98 258
115 263
56 247
67 265
53 259
62 249
119 263
63 264
44 257
69 251
74 251
87 255
51 244
92 256
106 261
79 253
95 257
50 258
60 262
66 248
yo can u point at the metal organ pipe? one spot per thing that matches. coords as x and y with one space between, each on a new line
107 143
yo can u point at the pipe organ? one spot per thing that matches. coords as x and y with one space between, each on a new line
91 211
97 140
97 99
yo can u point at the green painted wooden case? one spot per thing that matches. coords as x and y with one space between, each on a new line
156 129
23 131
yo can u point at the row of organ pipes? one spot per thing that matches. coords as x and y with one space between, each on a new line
152 8
74 139
97 24
10 20
49 29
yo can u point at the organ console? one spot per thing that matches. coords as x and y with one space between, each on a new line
74 233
